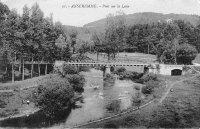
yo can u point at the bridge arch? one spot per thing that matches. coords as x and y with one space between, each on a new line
176 72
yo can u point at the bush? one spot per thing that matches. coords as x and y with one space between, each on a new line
2 104
137 100
137 87
149 88
119 70
70 70
76 81
148 77
110 125
186 53
130 75
114 106
84 68
109 77
54 95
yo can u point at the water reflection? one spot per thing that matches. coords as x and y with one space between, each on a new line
99 100
36 120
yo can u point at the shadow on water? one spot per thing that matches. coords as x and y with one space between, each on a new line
36 120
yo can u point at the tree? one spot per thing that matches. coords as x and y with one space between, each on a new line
12 44
97 39
83 48
115 33
186 53
73 38
77 82
54 95
4 11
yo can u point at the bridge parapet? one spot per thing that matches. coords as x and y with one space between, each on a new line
104 64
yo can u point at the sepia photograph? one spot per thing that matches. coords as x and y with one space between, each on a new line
99 64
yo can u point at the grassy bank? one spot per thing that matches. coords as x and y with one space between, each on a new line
13 97
180 108
19 98
125 57
197 59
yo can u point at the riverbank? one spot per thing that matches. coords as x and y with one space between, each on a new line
17 99
14 98
179 108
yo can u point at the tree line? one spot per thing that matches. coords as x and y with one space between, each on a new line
31 37
174 42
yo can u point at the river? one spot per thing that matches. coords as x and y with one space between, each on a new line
100 99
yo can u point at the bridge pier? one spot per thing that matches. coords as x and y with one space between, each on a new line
107 70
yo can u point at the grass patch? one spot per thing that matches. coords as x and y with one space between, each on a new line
180 109
197 59
125 57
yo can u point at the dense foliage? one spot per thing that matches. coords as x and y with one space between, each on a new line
30 36
175 42
77 82
124 74
54 95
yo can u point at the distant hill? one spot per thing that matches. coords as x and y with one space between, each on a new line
145 18
85 32
68 29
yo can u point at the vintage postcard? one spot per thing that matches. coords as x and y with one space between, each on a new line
99 64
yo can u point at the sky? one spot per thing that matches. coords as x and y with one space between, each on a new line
81 16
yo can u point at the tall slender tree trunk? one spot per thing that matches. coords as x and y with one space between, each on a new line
175 54
20 72
108 57
118 53
15 57
97 56
32 67
6 68
22 69
13 73
39 67
46 69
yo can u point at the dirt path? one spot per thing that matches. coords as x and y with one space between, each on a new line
170 86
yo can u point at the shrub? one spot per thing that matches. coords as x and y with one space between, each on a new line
186 53
130 75
84 68
2 104
121 69
148 77
70 69
110 125
112 69
53 96
149 88
137 87
137 100
102 68
109 77
118 71
114 106
76 81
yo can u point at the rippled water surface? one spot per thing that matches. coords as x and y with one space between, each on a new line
98 95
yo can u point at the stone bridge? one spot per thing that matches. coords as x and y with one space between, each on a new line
150 68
